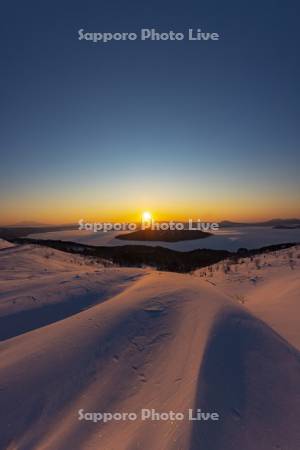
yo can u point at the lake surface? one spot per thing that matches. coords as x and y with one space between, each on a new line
225 239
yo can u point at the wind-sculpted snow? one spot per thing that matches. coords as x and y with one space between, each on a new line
148 340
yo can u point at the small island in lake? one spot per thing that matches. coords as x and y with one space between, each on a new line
164 235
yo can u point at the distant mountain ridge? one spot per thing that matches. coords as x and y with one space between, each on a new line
28 223
267 223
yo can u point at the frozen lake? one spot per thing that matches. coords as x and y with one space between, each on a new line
225 239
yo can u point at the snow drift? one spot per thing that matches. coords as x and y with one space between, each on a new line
137 339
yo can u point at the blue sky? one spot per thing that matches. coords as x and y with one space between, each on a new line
105 130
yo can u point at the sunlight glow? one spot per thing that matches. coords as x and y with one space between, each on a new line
146 216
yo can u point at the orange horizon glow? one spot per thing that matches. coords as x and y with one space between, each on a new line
167 197
63 216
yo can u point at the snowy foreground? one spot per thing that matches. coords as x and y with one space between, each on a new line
80 337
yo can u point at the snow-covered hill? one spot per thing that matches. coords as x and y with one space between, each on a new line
268 285
5 244
85 337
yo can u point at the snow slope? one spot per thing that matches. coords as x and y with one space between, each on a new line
136 339
40 285
5 244
268 285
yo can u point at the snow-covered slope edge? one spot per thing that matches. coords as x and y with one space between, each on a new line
5 244
268 285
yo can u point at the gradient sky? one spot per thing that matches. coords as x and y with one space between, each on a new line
184 129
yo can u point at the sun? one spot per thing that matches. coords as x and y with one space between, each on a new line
146 216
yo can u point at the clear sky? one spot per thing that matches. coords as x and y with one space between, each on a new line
184 129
